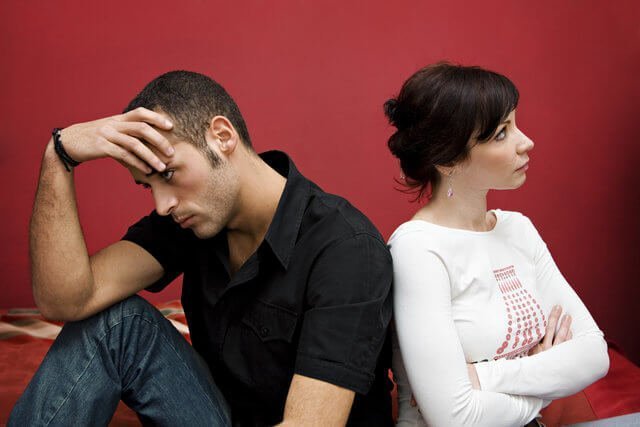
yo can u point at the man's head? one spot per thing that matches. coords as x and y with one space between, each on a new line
191 100
200 186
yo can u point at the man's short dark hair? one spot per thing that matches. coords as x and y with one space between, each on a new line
191 100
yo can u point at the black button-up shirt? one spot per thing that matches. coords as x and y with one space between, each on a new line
314 299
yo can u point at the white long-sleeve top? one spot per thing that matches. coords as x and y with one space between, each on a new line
461 297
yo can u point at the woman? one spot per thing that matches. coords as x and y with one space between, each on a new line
489 331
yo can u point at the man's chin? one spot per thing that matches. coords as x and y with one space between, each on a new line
204 233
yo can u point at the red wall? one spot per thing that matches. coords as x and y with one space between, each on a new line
311 77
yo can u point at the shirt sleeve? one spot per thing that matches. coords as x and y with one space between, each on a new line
561 370
432 353
165 241
348 310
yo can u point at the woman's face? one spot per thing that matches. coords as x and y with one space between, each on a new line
500 163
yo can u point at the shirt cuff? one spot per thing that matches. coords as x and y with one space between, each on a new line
488 373
334 373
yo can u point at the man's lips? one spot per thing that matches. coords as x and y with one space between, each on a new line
184 221
523 167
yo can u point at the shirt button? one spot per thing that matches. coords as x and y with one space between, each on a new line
264 331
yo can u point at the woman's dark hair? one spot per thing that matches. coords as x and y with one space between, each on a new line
438 111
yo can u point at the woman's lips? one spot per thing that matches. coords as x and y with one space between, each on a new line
523 167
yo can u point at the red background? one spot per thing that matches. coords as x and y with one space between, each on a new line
311 77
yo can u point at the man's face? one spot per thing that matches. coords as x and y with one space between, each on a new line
196 194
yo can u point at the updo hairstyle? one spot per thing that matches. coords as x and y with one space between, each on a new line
437 112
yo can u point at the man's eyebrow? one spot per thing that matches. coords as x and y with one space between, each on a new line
150 174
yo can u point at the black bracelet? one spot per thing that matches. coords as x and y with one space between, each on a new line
65 158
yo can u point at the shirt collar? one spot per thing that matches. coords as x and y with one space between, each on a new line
283 230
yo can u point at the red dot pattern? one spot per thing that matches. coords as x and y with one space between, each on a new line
524 315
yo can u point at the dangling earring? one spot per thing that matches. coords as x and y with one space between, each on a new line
450 189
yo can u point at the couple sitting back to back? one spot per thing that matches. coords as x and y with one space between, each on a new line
287 290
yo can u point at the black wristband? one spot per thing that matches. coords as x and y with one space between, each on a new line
65 158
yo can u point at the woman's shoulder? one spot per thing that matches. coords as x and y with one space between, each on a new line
427 237
504 215
508 220
412 235
413 230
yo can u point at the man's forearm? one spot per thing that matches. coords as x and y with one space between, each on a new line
61 274
312 402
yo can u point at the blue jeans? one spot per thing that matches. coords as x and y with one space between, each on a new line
128 352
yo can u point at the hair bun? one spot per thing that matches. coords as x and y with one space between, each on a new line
390 108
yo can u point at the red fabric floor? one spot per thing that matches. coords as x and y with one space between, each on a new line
25 338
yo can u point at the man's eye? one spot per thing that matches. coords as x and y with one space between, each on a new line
167 174
502 134
146 186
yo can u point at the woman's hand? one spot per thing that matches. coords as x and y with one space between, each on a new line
551 337
473 376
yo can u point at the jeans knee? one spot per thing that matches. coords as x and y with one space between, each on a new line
131 306
134 305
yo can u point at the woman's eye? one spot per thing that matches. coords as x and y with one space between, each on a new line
167 174
146 186
502 134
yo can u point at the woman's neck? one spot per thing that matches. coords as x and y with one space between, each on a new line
466 208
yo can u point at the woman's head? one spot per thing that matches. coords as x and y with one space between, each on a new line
440 112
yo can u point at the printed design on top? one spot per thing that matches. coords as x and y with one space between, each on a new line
526 322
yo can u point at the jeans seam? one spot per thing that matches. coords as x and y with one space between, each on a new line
191 373
72 388
154 324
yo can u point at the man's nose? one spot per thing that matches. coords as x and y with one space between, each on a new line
165 201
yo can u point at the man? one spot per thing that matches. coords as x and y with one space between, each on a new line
286 288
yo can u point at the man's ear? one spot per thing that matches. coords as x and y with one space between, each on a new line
222 134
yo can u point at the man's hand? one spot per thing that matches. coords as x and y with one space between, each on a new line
551 337
120 137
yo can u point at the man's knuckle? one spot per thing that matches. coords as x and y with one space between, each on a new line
103 143
104 130
112 151
140 152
